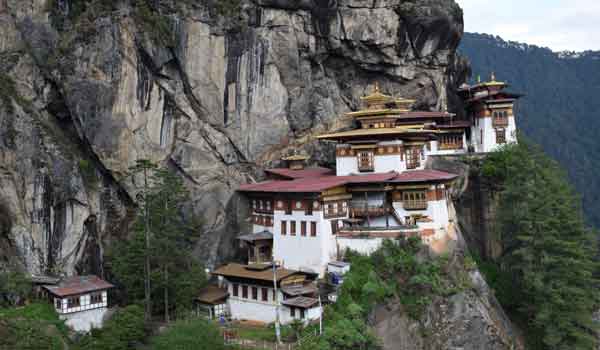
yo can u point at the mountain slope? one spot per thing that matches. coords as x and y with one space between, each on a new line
561 108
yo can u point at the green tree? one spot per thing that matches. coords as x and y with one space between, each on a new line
547 248
121 332
161 246
14 287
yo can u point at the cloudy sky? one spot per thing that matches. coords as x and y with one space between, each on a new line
557 24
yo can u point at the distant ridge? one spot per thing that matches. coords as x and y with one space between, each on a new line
561 109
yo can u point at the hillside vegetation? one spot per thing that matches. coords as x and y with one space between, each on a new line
560 110
545 275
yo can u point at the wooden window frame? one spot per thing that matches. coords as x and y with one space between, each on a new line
292 228
366 160
500 136
414 200
283 227
96 298
292 312
302 314
74 302
413 157
254 291
244 291
303 228
451 141
264 294
313 229
235 289
58 304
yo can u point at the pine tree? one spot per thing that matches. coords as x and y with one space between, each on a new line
547 248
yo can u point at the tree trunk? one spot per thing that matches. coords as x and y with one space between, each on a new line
148 306
166 289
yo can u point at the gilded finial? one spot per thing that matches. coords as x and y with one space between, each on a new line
376 86
493 76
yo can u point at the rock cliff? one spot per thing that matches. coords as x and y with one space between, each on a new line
215 90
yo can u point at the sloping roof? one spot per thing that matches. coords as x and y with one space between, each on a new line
299 174
378 132
241 271
43 279
260 236
301 302
315 184
212 295
78 285
299 289
423 176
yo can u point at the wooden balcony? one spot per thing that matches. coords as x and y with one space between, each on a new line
359 211
499 122
415 205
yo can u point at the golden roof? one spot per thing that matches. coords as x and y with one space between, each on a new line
376 96
376 131
296 157
493 81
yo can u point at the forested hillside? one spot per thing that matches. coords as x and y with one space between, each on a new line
561 108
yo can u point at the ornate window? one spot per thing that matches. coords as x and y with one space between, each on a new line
293 228
303 228
414 200
254 293
245 292
365 161
500 118
235 289
313 228
451 141
283 228
500 136
309 208
413 157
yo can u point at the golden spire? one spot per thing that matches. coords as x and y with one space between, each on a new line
493 76
376 87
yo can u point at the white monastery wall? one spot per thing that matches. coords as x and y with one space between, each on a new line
436 210
316 252
485 127
84 303
387 163
361 245
84 321
346 166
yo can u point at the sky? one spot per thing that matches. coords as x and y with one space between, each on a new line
572 25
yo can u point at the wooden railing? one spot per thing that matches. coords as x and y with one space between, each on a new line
415 205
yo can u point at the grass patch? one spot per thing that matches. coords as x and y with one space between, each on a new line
35 326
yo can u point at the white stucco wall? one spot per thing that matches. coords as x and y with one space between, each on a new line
346 166
84 321
488 143
309 314
361 245
436 210
387 163
316 252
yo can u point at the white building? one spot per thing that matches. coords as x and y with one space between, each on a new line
252 294
82 301
490 109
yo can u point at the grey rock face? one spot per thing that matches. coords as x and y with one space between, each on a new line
470 319
223 100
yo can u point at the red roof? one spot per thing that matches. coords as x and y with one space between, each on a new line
78 285
315 184
423 176
299 174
